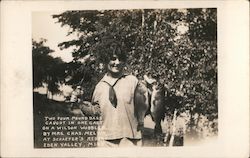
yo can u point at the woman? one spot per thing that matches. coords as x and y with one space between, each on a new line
115 96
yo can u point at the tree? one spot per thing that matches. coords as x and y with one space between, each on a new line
46 69
176 46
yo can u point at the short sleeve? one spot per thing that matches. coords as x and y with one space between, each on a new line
101 95
133 80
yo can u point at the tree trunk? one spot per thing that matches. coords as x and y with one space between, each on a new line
47 91
171 142
142 20
155 22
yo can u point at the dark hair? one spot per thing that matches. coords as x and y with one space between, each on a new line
117 49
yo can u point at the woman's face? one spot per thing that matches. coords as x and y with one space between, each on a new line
115 66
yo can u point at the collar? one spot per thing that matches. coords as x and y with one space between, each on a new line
110 80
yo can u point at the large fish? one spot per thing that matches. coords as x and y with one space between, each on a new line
149 99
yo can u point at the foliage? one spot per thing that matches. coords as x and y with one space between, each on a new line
46 69
176 46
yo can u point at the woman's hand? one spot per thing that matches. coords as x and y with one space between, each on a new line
89 109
